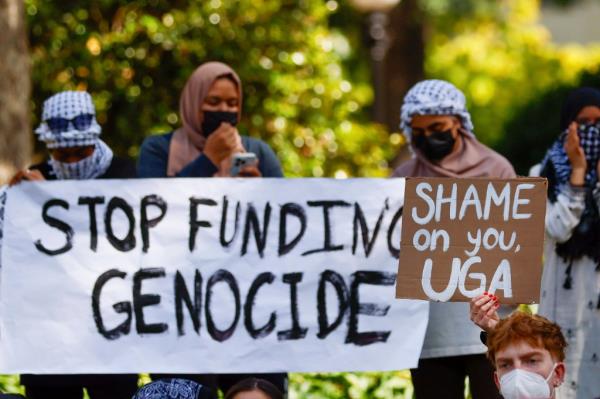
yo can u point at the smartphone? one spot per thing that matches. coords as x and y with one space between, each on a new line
240 160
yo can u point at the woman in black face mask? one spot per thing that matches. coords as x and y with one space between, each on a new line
435 119
210 108
436 136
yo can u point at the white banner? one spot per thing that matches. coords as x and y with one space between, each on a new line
205 275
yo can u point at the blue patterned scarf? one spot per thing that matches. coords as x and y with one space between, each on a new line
175 388
589 139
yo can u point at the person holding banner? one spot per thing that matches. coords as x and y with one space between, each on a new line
70 132
571 277
439 127
210 107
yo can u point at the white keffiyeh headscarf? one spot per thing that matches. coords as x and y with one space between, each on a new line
88 168
434 97
68 105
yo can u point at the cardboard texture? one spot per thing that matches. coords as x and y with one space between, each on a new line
509 260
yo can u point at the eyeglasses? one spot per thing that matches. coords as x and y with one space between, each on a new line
61 125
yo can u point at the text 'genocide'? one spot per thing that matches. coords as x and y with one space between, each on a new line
194 301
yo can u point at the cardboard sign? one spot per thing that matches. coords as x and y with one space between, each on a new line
461 237
205 276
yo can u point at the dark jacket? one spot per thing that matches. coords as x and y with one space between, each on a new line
120 168
154 156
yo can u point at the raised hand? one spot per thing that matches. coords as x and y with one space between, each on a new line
576 156
483 311
223 143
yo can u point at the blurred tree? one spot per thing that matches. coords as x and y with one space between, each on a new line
135 56
406 57
503 62
366 385
535 126
486 47
15 142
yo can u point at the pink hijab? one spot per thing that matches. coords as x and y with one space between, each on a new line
188 141
470 159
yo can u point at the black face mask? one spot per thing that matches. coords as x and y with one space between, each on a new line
436 146
213 119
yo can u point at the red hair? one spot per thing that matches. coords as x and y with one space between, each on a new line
535 330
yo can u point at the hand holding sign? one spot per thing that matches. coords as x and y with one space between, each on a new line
463 237
484 311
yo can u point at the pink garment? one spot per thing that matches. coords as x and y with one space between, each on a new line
470 159
188 141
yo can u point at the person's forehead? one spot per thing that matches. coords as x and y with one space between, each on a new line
427 120
520 349
223 86
590 111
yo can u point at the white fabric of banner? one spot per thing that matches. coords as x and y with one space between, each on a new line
287 287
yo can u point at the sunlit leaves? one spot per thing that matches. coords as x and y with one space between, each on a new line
135 56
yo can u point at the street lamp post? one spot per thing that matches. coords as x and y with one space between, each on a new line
378 21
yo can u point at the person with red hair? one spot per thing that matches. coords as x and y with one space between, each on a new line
527 351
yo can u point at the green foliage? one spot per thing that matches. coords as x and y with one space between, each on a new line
10 384
307 87
135 56
351 385
535 126
504 63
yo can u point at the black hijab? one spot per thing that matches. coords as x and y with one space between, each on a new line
585 240
576 101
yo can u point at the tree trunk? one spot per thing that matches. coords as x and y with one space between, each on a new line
404 61
15 86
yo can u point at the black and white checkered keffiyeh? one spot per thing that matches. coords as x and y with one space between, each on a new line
88 168
434 97
589 140
68 105
175 388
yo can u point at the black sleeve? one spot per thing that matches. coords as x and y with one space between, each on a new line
120 168
483 337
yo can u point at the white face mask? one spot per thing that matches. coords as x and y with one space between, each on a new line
523 384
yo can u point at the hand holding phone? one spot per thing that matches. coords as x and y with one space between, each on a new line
241 160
